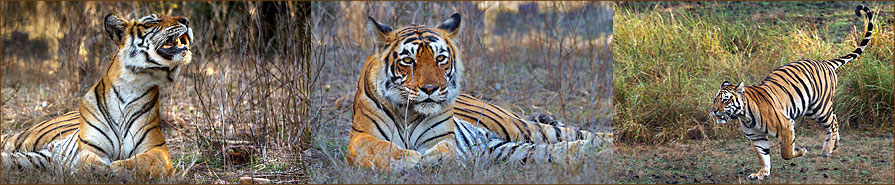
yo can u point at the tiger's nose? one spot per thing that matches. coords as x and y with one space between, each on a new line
184 21
429 88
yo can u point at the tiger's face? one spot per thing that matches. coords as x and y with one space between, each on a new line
422 67
151 44
728 103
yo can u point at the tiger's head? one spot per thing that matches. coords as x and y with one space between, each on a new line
421 65
154 44
728 102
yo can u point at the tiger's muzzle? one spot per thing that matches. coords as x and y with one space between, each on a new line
176 44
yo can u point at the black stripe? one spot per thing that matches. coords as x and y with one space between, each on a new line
430 128
558 136
463 130
36 141
522 131
118 95
63 133
502 128
375 123
30 159
93 146
140 141
146 57
491 150
543 135
160 144
411 39
100 131
437 137
143 110
46 158
140 97
759 139
356 130
101 105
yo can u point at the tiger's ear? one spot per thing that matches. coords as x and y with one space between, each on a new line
725 83
451 25
378 30
115 27
741 89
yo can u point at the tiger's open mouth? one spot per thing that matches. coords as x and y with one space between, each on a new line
720 117
181 42
174 46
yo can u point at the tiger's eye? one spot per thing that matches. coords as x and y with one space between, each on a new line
408 60
440 58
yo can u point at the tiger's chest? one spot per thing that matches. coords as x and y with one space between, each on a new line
423 132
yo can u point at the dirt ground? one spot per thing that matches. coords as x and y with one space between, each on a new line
862 157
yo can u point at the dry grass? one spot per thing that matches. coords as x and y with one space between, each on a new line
555 61
246 88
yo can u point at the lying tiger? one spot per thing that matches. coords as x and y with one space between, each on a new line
408 108
116 125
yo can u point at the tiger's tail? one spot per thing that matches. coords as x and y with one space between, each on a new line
39 159
47 157
864 42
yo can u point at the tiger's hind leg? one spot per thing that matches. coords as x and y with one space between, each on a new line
546 119
832 140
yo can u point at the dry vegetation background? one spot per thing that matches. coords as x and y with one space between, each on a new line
239 109
529 57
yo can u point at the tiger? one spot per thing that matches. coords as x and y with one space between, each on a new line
800 88
408 109
116 125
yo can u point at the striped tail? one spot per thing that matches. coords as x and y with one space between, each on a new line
864 42
482 142
22 160
39 159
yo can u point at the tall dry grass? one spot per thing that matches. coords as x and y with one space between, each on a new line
671 58
240 108
529 57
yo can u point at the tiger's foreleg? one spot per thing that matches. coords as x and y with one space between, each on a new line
367 150
156 163
762 148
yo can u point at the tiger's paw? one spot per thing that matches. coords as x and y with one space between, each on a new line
117 167
760 175
546 119
801 151
409 160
